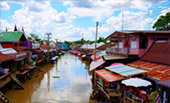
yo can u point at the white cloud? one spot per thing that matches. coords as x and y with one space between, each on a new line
4 6
102 9
87 12
4 24
114 23
40 17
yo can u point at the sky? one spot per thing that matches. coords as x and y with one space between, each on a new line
75 19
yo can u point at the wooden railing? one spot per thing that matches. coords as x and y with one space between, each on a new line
117 50
132 98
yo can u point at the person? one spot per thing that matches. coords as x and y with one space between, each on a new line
154 96
2 71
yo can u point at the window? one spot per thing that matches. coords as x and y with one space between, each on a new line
120 44
143 43
134 43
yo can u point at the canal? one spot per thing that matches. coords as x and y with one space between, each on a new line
67 80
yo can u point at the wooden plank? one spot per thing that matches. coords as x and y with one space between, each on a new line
103 91
16 80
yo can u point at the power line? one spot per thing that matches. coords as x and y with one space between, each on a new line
147 15
143 18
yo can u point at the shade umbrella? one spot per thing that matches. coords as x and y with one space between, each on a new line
34 55
136 82
114 64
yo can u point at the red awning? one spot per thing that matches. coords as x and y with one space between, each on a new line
108 76
97 63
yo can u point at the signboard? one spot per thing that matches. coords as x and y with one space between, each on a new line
20 55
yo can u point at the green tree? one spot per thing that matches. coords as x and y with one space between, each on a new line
162 21
101 39
35 37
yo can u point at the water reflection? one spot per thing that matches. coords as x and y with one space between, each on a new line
73 84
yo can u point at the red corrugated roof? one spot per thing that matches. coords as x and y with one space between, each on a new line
158 53
156 71
5 57
108 76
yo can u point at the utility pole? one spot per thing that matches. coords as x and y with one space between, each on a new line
48 43
96 40
122 19
56 44
82 35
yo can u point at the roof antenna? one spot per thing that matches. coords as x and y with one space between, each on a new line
15 28
6 30
22 29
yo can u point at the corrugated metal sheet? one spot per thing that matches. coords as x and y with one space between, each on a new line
125 70
97 63
7 51
158 53
108 76
165 83
156 71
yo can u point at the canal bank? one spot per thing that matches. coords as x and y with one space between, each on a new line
67 80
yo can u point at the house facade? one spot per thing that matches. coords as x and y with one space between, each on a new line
12 39
134 43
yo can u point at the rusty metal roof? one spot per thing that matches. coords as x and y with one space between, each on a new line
159 52
108 76
156 71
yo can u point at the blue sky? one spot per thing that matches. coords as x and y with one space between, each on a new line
68 20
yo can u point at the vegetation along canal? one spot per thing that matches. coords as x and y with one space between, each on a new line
67 80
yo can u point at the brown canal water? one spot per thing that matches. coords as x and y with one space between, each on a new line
73 85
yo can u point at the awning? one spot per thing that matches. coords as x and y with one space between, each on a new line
165 83
108 76
125 70
113 57
7 51
136 82
93 56
97 63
